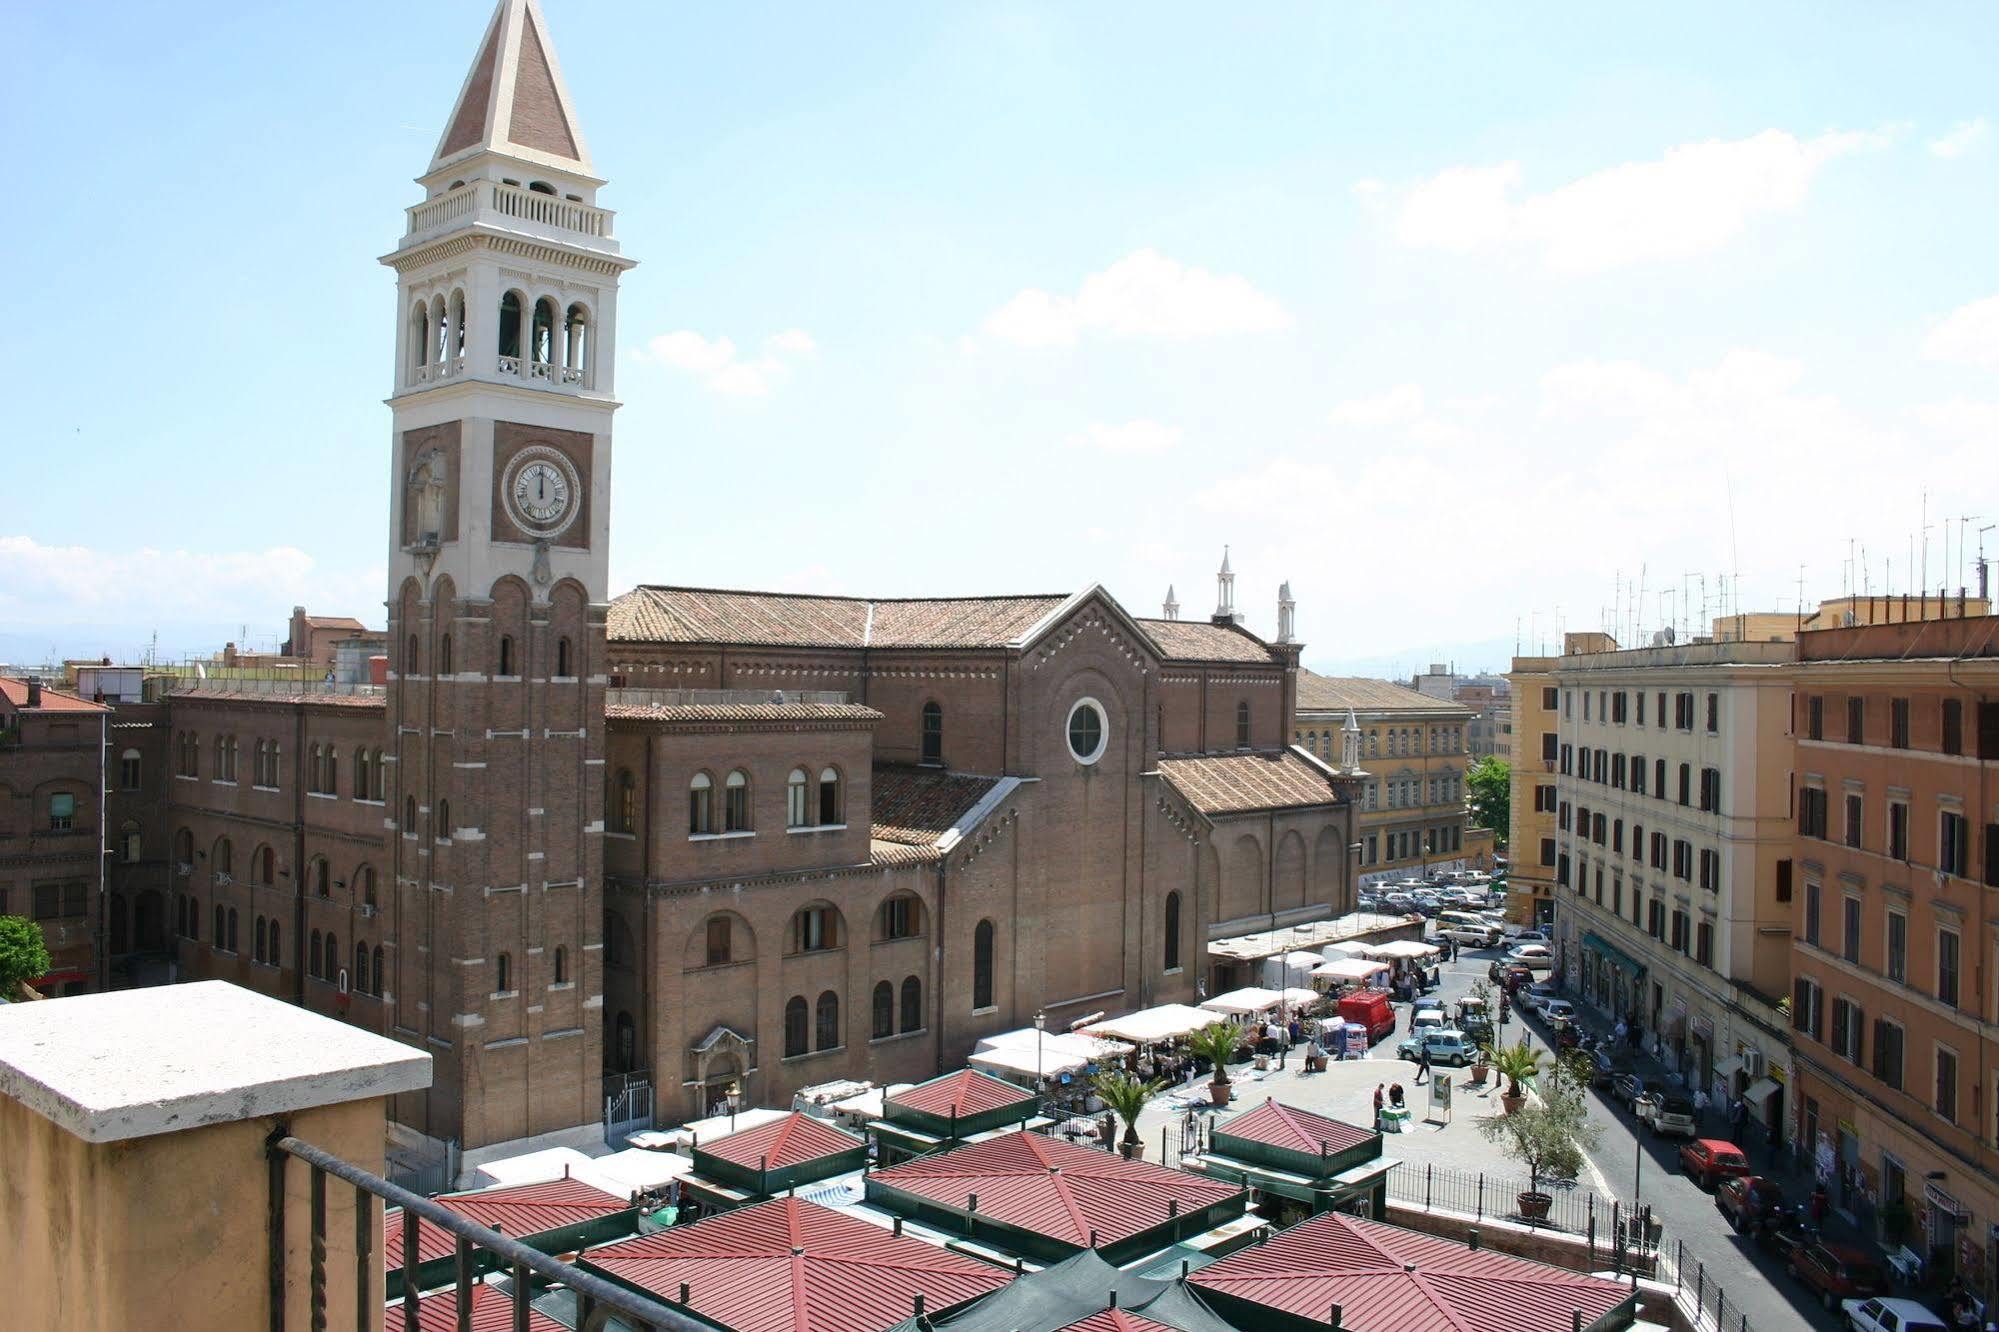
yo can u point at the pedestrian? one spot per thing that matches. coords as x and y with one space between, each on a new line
1422 1065
1700 1107
1380 1094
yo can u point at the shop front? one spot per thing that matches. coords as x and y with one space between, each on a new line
1621 973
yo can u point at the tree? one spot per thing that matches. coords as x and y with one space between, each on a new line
1125 1096
1489 796
1550 1137
1216 1043
23 955
1517 1063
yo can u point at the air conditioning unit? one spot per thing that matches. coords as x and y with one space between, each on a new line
1752 1063
367 910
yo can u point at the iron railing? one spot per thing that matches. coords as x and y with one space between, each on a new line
598 1300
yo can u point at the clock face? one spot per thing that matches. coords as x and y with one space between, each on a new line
542 492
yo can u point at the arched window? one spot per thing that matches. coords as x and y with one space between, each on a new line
829 796
274 954
184 847
933 733
360 976
882 1014
562 966
562 658
736 802
442 823
258 951
330 778
277 772
378 783
795 798
321 881
129 770
625 812
510 325
409 816
506 655
364 885
221 938
332 959
796 1030
444 655
543 344
380 977
315 965
409 656
232 929
1172 958
221 756
982 965
826 1024
700 805
419 339
1242 725
362 761
624 1044
575 343
503 973
312 768
455 326
900 917
815 929
912 1004
223 863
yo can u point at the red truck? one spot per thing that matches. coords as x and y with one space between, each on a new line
1372 1010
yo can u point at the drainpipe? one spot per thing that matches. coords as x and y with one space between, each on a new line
103 851
298 866
936 971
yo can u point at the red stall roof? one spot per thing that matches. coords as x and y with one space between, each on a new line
788 1265
522 1209
1387 1279
793 1140
1110 1320
1295 1130
1053 1187
966 1092
492 1311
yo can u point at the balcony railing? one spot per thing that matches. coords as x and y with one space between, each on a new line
598 1300
682 698
506 204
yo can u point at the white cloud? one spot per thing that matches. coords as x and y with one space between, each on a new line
1968 335
1693 199
1963 137
1130 437
79 584
1144 294
1400 406
718 365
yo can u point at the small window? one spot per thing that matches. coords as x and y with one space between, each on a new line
719 942
409 815
442 823
736 802
829 796
360 977
982 965
1172 950
900 918
882 1012
62 812
796 798
444 655
815 929
503 973
912 1005
933 733
797 1032
506 656
625 812
826 1025
562 658
561 966
1242 725
700 805
129 766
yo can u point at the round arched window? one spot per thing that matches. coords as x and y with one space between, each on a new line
1088 732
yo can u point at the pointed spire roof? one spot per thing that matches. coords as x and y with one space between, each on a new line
1225 561
1284 590
514 100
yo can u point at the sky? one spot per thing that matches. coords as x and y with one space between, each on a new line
1473 322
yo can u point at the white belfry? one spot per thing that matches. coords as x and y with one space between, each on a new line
1172 606
1350 744
1287 614
1225 589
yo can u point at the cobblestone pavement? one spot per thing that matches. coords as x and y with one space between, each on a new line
1753 1283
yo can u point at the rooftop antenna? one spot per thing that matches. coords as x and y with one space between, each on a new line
1963 528
1923 583
1637 607
1981 559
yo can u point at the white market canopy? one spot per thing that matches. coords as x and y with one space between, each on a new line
1312 934
1350 968
1249 999
868 1105
1025 1061
697 1131
1167 1022
1404 948
1334 951
1080 1044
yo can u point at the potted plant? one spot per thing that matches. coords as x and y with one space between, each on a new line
1125 1096
1217 1044
1549 1138
1517 1063
1481 1063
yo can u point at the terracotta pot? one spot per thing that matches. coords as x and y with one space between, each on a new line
1218 1092
1511 1104
1534 1206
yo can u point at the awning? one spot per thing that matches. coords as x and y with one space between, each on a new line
1728 1068
1759 1092
1405 948
1164 1023
1249 999
1027 1062
1614 955
1349 969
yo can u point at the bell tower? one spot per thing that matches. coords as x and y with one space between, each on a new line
506 319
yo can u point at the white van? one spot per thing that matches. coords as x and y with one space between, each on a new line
1462 927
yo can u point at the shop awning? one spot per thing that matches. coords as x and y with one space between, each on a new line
1728 1068
1166 1022
1760 1091
1249 999
1614 955
1356 969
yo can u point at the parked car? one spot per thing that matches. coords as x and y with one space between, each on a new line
1667 1112
1710 1160
1785 1233
1837 1272
1532 935
1748 1200
1891 1316
1626 1087
1608 1065
1533 954
1428 1019
1445 1046
1556 1012
1539 993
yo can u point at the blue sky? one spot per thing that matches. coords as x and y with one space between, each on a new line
1452 315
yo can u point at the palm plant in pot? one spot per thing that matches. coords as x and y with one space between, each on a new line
1517 1063
1549 1138
1125 1096
1217 1044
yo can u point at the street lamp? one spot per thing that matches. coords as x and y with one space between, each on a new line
1040 1064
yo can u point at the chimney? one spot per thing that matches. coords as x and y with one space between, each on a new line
34 693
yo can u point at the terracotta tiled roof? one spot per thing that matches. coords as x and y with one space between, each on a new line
363 701
918 805
335 622
1387 1279
788 1265
793 1140
965 1093
898 853
741 712
1053 1187
522 1209
53 700
1337 693
1293 1129
652 614
492 1311
1204 640
1238 783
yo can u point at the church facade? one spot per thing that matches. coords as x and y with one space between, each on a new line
702 841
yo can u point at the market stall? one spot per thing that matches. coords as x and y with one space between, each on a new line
1151 1026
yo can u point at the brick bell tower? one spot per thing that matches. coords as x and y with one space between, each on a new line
506 314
